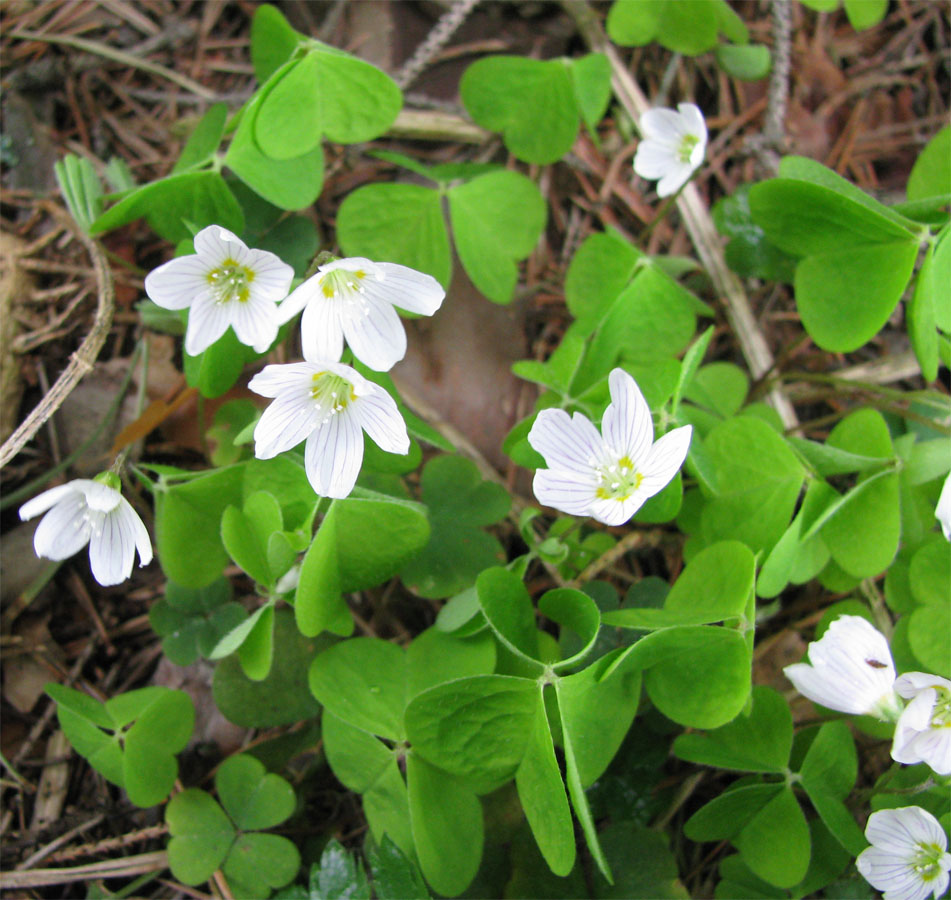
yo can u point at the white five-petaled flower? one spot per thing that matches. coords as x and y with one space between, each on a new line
923 732
943 509
607 476
329 405
224 283
672 148
851 670
355 299
908 859
90 512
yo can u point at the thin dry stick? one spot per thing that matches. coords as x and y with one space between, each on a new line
127 59
704 235
442 31
110 868
82 361
54 845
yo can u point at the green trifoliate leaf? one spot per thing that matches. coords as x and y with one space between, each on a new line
931 174
684 26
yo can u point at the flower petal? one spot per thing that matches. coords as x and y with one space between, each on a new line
298 299
908 684
664 460
943 509
208 320
333 456
321 331
290 419
175 284
64 530
111 549
662 124
274 380
254 322
140 534
569 492
379 416
408 289
272 277
215 244
612 511
567 442
42 502
654 159
692 120
374 332
627 425
675 179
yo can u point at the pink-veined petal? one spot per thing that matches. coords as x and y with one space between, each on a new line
567 442
333 456
904 827
408 289
321 331
64 530
276 379
627 425
208 320
42 502
374 332
290 419
379 416
569 492
175 284
664 460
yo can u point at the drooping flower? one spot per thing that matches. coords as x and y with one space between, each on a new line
90 512
329 405
672 148
607 476
355 299
225 283
851 670
908 858
943 509
923 732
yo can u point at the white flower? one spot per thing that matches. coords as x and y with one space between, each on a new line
355 299
95 513
942 511
851 671
224 283
606 477
329 405
923 733
672 147
908 858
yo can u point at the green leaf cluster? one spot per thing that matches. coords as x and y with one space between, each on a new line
205 837
496 219
131 740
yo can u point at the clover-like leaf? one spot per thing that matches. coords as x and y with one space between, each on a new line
201 836
253 797
460 504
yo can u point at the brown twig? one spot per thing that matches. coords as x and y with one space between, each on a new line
110 868
440 35
82 361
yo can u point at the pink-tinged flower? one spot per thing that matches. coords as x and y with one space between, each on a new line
850 670
90 512
672 147
908 858
923 732
328 405
356 299
225 283
607 476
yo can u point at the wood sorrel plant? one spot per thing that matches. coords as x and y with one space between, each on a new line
540 685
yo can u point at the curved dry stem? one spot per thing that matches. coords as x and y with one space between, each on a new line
83 360
704 235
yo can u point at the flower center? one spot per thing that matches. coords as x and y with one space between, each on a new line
618 480
230 282
941 714
927 861
685 150
345 284
331 394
